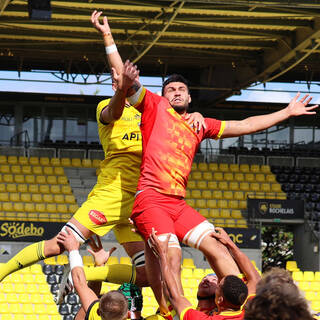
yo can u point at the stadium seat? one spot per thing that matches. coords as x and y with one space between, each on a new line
223 185
34 161
40 207
206 194
22 187
204 212
207 176
186 273
265 187
73 208
202 166
188 263
265 169
70 198
228 195
37 170
55 189
3 159
244 186
62 259
233 167
58 171
25 197
315 305
41 179
58 198
30 179
260 177
224 167
270 178
29 207
317 276
217 194
5 168
202 184
222 203
244 168
48 171
3 187
218 176
7 178
255 186
44 161
234 204
192 184
297 275
249 177
213 167
12 160
7 206
44 189
55 162
196 175
62 180
195 194
225 213
254 168
11 187
304 285
26 169
228 176
47 198
276 187
311 296
242 204
62 208
65 162
4 196
212 203
308 276
88 260
201 203
239 176
15 169
51 207
96 163
76 162
236 214
212 185
36 197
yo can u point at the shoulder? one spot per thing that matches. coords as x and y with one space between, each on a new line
190 314
92 311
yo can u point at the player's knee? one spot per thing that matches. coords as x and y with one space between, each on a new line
198 236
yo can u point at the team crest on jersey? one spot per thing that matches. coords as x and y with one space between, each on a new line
97 217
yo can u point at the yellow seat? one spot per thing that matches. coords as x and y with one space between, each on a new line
29 207
7 206
47 198
73 208
194 166
297 275
195 194
196 175
62 259
311 296
315 286
12 297
271 178
12 159
58 198
16 169
3 187
26 170
308 276
304 285
65 162
186 273
30 179
96 163
206 194
44 161
255 168
66 189
213 167
3 159
62 208
11 187
244 168
242 204
265 169
217 194
86 163
88 260
218 176
22 188
223 185
50 260
207 176
51 207
234 204
244 186
69 198
55 189
52 180
192 184
204 212
228 176
62 180
222 203
191 202
58 171
265 187
36 197
224 167
202 184
44 189
212 185
43 216
5 169
260 177
233 167
239 176
27 309
214 213
37 170
76 162
236 214
18 206
212 203
249 177
25 197
55 162
41 179
48 171
188 194
4 196
230 223
219 222
315 305
225 213
34 161
188 263
7 178
228 195
202 166
255 186
242 223
317 276
201 203
291 265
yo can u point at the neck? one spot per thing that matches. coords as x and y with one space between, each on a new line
206 303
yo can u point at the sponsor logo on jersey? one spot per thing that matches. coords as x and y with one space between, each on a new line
97 217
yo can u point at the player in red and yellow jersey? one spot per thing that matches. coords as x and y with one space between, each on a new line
231 293
169 145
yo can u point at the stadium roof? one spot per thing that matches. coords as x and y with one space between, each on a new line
221 46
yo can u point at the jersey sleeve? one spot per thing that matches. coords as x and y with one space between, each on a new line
144 99
92 311
102 104
191 314
214 128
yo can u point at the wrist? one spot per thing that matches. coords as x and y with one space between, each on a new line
111 49
107 34
75 259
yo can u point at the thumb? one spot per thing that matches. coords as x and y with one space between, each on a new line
91 252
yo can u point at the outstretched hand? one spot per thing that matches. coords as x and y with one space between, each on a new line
299 107
68 240
103 28
100 256
129 74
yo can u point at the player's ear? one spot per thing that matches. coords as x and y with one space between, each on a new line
189 98
98 312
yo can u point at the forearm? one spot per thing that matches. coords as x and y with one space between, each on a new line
114 58
115 108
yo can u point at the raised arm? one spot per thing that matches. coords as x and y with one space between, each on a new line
257 123
240 258
87 296
178 302
113 56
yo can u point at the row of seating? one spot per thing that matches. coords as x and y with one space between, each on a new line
32 179
306 276
11 316
34 298
16 197
24 188
45 161
36 216
225 167
36 170
28 309
38 207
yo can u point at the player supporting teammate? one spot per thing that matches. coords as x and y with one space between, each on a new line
169 145
231 293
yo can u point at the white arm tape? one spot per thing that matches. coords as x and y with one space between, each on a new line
111 49
75 259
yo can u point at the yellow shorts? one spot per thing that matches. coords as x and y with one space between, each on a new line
108 208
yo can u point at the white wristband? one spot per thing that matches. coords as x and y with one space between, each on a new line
111 49
75 259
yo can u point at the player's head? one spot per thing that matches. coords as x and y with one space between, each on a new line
274 301
275 275
207 287
176 90
113 306
231 293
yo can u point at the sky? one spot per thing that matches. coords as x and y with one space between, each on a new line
45 82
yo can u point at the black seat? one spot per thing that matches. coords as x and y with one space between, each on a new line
52 279
48 269
59 269
54 288
72 299
64 309
75 308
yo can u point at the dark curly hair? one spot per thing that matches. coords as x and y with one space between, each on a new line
175 78
234 290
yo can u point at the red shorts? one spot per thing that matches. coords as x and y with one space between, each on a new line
165 213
